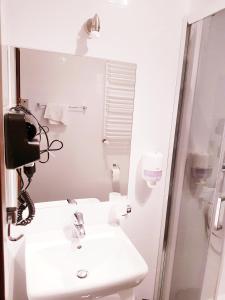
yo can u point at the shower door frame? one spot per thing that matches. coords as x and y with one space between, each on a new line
195 45
179 157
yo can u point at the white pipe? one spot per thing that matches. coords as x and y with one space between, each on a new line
11 184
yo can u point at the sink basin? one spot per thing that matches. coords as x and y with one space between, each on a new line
103 263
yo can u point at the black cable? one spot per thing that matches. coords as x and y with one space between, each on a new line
46 130
28 184
20 177
25 202
50 149
24 198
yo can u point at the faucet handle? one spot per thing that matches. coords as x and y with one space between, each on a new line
79 217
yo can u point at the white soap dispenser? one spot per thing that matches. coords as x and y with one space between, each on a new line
152 168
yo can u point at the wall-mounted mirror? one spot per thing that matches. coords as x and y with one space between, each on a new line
96 99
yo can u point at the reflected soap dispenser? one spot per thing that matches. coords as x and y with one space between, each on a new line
152 168
201 167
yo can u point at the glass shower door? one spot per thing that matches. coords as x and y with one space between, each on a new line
200 227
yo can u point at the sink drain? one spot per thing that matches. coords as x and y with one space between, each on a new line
82 274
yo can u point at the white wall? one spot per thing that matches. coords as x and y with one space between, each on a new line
202 8
147 33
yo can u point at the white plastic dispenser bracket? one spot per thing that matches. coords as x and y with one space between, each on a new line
152 168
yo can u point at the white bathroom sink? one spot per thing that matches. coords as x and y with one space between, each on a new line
107 260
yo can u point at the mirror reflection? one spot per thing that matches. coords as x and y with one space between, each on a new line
87 103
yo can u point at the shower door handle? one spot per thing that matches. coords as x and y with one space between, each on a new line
217 224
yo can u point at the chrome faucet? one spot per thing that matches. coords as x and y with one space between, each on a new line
79 224
71 201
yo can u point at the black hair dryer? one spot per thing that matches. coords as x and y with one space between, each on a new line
20 146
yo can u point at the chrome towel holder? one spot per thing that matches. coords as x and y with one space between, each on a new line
83 108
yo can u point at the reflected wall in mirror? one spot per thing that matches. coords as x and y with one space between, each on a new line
97 99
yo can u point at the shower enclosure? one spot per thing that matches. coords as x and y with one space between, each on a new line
195 238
